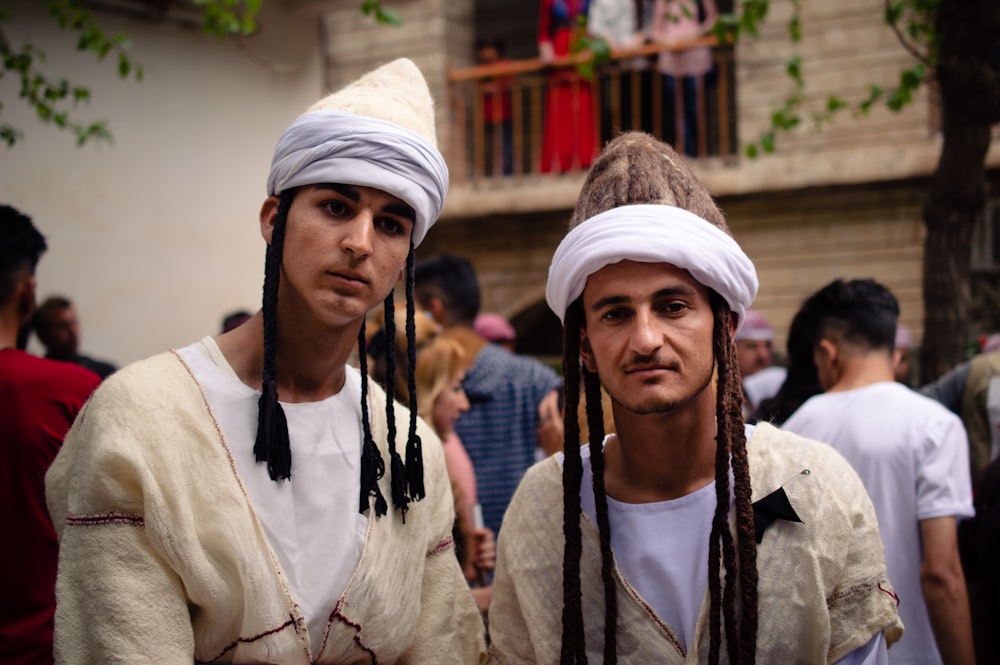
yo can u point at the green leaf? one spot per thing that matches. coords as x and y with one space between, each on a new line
388 17
795 28
726 27
10 135
834 103
600 48
767 142
912 78
124 66
893 11
794 69
751 151
382 14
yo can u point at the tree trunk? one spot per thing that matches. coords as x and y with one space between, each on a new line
967 32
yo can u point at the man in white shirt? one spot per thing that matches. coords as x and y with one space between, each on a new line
659 561
754 353
245 498
911 454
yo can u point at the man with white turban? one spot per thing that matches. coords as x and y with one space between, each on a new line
669 554
242 499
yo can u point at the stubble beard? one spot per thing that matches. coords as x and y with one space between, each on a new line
669 406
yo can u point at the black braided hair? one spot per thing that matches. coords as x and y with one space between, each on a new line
573 637
272 445
414 446
406 480
397 471
372 464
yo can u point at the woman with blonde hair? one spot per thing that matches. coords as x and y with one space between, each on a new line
441 363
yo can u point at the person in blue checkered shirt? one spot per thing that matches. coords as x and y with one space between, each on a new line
509 394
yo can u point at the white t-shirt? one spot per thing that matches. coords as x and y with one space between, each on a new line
763 384
662 550
311 521
614 20
670 573
993 416
913 457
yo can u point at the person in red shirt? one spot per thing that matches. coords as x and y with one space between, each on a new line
569 142
496 108
39 398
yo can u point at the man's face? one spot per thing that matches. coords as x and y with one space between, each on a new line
648 335
345 249
753 355
488 54
61 333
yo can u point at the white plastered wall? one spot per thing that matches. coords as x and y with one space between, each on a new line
155 236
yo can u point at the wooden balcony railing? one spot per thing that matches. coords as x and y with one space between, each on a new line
500 112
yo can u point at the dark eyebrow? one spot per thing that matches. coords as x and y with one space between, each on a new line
399 209
670 291
679 290
608 302
344 190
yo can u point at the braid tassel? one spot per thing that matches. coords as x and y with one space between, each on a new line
397 478
414 446
271 444
372 464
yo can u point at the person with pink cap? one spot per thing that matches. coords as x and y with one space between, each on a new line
761 379
496 329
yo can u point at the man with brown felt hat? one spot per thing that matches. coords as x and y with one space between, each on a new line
687 536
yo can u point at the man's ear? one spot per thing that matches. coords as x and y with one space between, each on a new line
734 323
587 352
827 353
268 211
25 295
435 306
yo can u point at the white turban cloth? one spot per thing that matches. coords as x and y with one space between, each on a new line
651 234
330 146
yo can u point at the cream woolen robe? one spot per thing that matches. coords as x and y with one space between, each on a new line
162 559
822 588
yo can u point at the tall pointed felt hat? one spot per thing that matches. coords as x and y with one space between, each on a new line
375 132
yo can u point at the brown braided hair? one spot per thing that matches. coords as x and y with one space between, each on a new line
636 168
